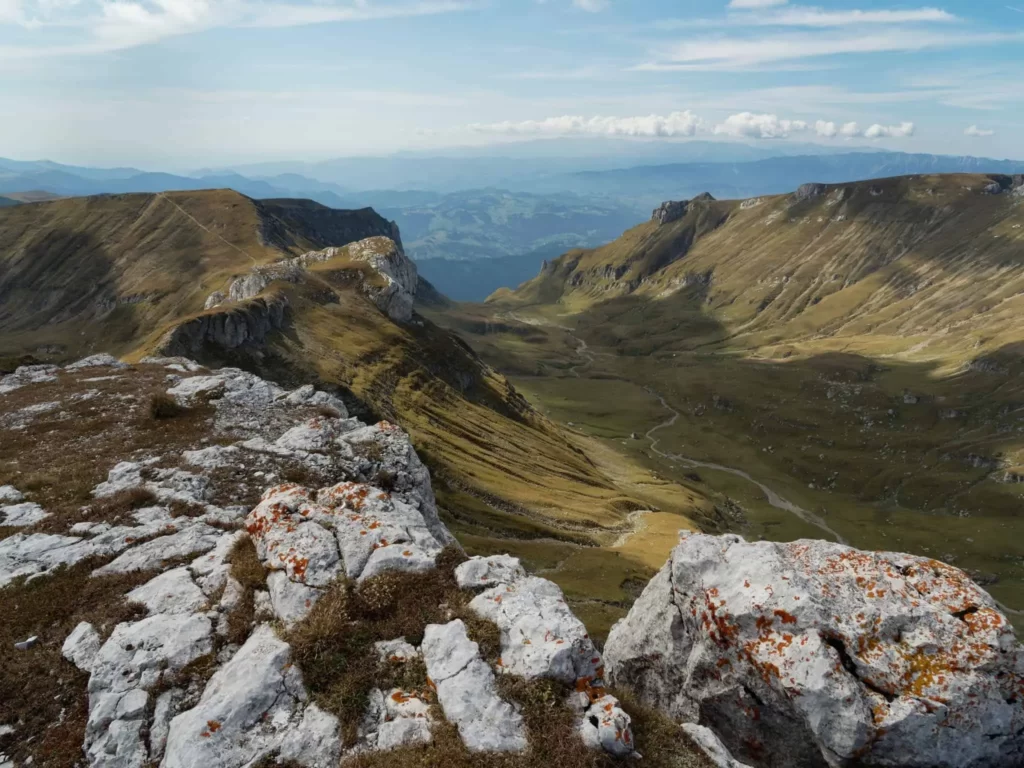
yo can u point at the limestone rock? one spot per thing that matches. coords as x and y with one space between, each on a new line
131 663
21 515
28 374
81 646
467 692
396 650
102 360
540 636
712 747
478 572
807 192
149 555
171 592
670 211
395 719
811 652
10 495
252 707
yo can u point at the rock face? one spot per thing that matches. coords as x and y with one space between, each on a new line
814 654
230 328
393 290
673 210
809 192
669 211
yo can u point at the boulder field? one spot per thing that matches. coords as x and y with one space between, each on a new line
800 654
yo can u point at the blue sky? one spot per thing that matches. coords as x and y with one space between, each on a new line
181 83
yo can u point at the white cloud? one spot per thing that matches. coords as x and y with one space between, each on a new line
751 126
674 124
110 25
724 53
978 132
900 131
748 125
818 17
745 4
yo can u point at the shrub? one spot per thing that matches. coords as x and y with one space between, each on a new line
164 406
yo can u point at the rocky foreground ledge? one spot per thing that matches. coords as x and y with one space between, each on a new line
329 617
200 568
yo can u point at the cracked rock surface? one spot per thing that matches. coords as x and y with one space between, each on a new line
812 653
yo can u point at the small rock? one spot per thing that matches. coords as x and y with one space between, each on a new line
26 645
81 646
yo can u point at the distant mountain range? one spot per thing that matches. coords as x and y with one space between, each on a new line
477 221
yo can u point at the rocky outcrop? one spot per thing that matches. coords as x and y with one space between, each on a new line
377 514
229 328
542 638
807 192
394 290
673 210
813 654
670 211
391 286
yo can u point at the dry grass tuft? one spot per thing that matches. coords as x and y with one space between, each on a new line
116 508
164 406
553 739
42 694
334 644
248 571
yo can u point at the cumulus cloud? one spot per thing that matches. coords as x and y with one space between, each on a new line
753 126
900 131
743 125
674 124
749 125
976 131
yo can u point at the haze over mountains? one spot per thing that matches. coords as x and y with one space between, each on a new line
479 219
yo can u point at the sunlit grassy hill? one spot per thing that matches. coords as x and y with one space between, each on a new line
856 347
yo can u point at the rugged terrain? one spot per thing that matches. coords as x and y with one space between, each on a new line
304 294
852 348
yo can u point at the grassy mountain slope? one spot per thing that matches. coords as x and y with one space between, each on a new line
122 273
856 348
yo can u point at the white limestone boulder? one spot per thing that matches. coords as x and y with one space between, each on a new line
82 645
101 360
480 572
10 495
540 635
22 515
384 450
813 653
252 707
467 692
130 664
172 592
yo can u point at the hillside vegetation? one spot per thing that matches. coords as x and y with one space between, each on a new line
136 274
855 347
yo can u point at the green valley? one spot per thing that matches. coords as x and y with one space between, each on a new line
854 350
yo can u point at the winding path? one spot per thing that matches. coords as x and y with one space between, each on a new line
773 498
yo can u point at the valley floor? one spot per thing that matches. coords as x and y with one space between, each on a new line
882 461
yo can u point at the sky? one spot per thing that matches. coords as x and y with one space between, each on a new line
177 84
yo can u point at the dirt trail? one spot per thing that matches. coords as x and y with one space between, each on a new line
774 499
